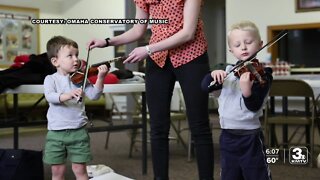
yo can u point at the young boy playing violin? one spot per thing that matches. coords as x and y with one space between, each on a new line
66 116
240 106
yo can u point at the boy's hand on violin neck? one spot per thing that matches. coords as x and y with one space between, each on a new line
102 71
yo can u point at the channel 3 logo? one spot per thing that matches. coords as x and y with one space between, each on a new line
298 155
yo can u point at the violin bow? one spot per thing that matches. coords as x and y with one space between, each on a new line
253 56
85 76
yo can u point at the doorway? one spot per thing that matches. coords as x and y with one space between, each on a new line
214 18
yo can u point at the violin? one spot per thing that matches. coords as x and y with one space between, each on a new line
78 76
255 68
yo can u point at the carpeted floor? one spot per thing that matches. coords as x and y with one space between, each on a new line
116 156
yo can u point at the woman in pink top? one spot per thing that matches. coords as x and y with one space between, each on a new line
176 52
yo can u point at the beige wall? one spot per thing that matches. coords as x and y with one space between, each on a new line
88 9
97 9
85 9
265 13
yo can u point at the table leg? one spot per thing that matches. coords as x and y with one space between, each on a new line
144 134
16 128
285 127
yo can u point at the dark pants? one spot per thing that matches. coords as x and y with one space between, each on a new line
243 157
159 87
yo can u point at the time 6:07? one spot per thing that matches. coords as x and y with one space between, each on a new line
272 151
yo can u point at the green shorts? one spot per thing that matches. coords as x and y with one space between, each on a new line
71 143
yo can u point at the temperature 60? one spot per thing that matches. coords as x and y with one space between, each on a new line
272 160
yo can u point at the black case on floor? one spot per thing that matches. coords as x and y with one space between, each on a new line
16 164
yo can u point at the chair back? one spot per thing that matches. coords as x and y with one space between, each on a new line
291 87
297 89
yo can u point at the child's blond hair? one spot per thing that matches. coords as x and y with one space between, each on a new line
245 26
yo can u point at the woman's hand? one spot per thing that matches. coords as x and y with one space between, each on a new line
138 54
245 84
100 43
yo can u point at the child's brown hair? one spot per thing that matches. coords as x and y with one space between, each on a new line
56 43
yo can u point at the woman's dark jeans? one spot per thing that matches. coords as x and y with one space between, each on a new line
159 88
